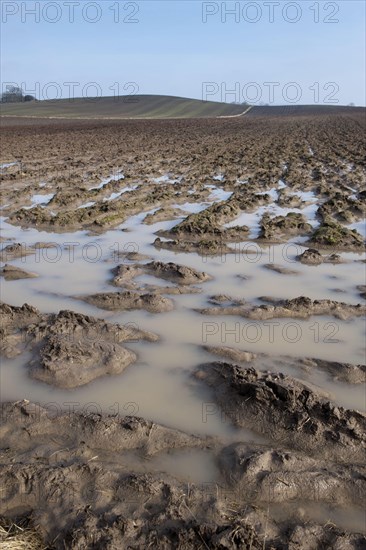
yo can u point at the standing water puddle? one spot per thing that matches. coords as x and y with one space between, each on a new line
159 386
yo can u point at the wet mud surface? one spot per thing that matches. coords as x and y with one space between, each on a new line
286 411
182 328
299 308
69 349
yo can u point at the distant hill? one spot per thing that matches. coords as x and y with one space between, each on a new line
139 106
159 106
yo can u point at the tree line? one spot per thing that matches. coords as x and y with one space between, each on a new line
15 94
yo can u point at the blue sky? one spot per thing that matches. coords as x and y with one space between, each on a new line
271 52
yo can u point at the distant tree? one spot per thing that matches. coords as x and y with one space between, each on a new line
351 104
14 94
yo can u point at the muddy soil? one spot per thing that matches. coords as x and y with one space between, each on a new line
267 457
204 247
281 269
284 226
180 274
13 251
297 308
287 411
129 300
94 192
332 234
76 476
345 372
13 273
68 349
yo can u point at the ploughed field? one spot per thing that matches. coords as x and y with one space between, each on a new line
182 328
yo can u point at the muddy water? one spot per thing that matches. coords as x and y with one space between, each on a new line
195 466
352 518
159 386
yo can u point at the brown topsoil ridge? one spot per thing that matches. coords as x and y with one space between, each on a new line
65 473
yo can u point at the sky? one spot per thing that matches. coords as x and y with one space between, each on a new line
269 52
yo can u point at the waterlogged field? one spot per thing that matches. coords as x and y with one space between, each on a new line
182 330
